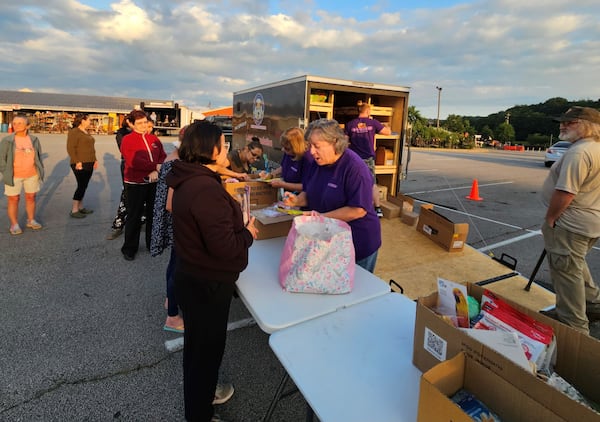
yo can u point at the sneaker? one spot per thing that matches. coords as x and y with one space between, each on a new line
86 211
15 230
34 225
223 393
114 233
77 214
379 212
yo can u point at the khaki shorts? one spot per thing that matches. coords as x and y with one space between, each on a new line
30 184
370 162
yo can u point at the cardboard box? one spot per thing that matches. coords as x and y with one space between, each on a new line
441 382
576 359
390 210
403 201
271 226
450 236
262 194
383 192
410 217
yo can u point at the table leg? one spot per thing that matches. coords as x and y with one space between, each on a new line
276 398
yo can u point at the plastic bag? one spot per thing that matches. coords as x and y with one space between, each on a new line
318 256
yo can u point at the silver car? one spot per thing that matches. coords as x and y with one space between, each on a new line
555 152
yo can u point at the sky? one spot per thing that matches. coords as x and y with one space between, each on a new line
486 56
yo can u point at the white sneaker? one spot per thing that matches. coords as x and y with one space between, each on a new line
223 393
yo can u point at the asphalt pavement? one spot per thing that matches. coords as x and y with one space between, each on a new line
81 328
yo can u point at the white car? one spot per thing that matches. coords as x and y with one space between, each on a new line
555 152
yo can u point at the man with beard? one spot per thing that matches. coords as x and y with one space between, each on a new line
572 223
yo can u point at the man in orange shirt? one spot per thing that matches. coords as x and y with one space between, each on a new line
21 167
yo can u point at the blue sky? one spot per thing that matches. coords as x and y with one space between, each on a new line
487 55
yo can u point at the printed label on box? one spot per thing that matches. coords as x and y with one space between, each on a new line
435 345
458 244
427 229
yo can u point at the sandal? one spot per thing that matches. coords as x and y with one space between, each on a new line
179 329
34 225
15 230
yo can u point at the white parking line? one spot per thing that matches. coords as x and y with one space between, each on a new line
509 241
176 344
459 188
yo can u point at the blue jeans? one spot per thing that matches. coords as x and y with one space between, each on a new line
368 263
173 309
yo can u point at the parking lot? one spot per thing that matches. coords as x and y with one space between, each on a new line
82 328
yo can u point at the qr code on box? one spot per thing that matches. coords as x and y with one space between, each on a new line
435 345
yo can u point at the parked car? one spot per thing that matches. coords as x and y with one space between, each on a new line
555 152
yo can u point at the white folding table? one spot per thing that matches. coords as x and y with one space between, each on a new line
274 309
355 364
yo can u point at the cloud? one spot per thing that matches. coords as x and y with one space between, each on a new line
487 55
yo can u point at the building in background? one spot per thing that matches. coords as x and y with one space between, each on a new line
54 113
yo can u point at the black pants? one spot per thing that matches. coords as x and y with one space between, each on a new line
83 177
205 305
140 201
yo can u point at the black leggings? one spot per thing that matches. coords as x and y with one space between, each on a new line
83 177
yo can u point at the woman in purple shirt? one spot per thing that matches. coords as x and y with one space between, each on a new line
338 184
296 159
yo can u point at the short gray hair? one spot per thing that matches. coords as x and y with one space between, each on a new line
328 130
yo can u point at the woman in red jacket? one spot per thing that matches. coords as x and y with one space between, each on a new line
143 154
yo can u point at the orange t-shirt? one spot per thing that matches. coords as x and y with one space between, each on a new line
24 163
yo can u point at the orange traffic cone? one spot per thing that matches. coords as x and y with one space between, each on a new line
10 128
474 196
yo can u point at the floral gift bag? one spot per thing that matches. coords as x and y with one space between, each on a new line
318 256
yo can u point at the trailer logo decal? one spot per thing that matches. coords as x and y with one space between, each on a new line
258 109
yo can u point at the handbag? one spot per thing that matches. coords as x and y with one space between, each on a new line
318 256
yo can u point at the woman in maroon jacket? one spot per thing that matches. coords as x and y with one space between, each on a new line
212 244
143 154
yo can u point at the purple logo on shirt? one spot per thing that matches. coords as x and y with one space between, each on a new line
332 185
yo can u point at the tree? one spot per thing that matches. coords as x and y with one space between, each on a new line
487 133
455 123
505 133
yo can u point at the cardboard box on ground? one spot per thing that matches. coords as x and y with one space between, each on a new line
577 357
398 206
503 398
262 195
450 236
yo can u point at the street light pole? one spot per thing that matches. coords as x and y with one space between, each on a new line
439 88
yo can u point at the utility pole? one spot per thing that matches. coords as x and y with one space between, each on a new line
439 89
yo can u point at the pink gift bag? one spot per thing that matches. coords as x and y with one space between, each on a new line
318 256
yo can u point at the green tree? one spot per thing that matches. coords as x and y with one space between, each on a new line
487 132
455 123
505 133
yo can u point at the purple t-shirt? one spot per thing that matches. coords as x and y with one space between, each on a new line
291 171
347 182
361 133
